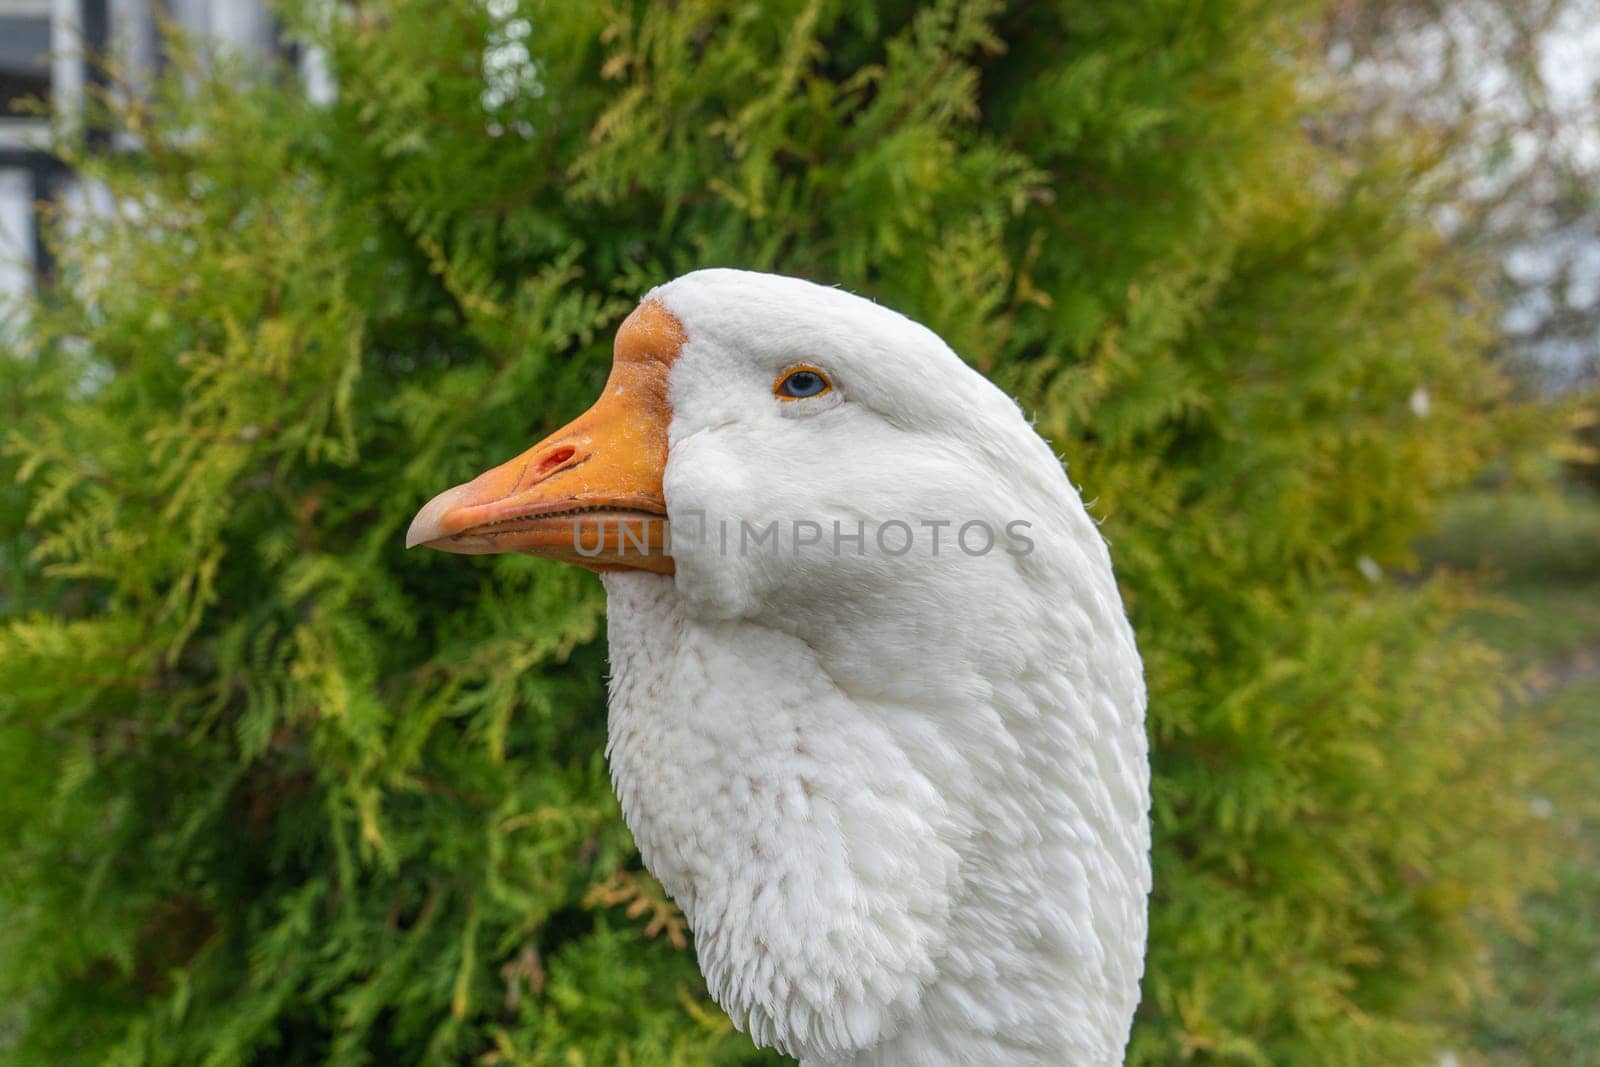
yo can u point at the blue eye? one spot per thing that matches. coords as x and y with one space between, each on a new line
800 383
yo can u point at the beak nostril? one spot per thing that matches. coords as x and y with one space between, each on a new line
554 460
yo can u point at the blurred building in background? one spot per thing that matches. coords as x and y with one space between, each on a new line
43 50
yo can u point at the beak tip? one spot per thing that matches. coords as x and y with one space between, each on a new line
427 526
416 536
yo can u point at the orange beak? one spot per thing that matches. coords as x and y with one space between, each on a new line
590 493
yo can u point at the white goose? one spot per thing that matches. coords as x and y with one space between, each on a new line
896 780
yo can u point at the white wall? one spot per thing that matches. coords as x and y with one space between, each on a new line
239 23
16 238
66 63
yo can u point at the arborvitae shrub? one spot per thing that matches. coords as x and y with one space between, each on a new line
278 792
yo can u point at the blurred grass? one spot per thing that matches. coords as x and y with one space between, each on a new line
1523 536
1540 557
1547 1009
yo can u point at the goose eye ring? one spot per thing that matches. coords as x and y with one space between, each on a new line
801 383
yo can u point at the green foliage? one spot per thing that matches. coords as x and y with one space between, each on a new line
284 794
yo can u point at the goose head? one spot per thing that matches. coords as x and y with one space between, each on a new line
876 709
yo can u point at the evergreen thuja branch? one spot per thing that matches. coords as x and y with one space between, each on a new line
641 896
